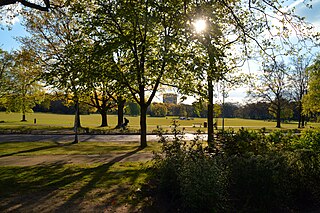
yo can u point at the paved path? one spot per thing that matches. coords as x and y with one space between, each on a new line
83 138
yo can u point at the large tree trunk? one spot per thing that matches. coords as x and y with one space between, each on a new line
76 122
303 120
143 125
300 116
104 118
121 103
278 117
23 113
210 113
23 117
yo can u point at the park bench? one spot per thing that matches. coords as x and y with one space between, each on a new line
197 125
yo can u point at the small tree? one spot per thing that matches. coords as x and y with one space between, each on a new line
6 63
158 110
311 101
24 90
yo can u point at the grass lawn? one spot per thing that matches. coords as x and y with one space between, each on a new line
110 186
106 187
83 148
47 121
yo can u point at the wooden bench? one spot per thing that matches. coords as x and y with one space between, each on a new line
197 124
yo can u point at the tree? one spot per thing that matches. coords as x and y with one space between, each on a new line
233 27
6 63
299 83
132 109
98 86
272 87
24 90
311 101
258 110
158 110
141 34
58 42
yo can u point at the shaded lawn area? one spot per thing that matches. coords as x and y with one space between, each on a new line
72 188
63 187
82 148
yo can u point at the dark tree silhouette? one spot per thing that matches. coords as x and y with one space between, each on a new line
46 6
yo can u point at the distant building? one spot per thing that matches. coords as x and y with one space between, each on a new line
170 98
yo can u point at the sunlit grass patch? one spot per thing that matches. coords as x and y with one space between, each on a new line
59 122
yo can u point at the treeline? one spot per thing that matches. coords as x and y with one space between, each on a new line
258 110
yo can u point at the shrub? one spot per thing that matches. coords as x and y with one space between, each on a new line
309 139
248 171
189 177
259 183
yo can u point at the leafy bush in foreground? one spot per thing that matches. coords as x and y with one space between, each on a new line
249 171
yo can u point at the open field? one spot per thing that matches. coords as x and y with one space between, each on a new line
47 121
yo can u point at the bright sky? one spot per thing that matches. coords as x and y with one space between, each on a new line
8 42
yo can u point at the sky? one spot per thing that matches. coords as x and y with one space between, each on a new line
8 42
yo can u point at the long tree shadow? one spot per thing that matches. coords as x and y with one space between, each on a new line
36 149
97 174
44 184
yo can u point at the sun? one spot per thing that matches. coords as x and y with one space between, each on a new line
200 25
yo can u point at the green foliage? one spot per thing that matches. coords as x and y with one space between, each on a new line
312 99
188 177
158 110
132 109
309 140
250 171
242 141
24 90
259 183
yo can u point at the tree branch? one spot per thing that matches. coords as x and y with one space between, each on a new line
28 4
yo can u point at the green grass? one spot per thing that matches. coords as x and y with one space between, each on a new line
65 188
83 148
47 121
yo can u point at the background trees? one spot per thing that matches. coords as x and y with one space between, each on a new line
272 87
298 78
